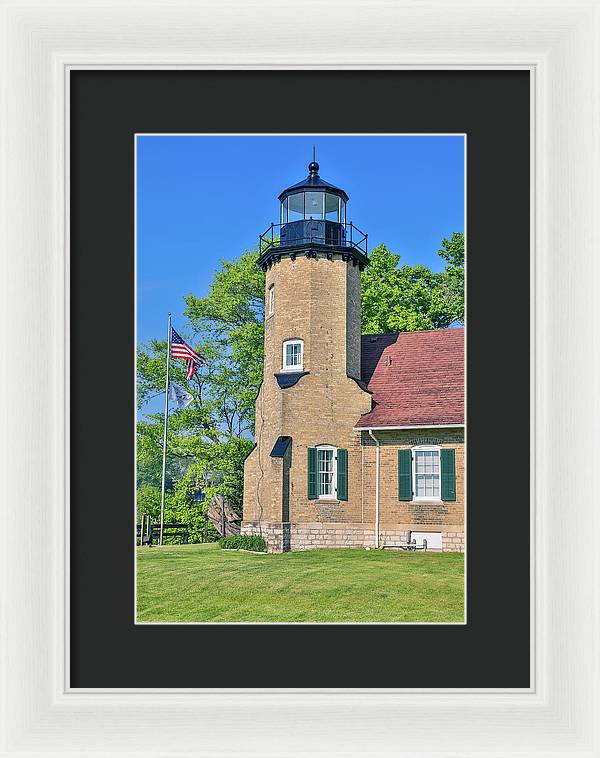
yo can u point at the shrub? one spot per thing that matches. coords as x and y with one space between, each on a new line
243 542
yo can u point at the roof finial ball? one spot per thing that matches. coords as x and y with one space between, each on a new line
313 166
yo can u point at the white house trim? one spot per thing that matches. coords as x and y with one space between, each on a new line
426 426
333 494
425 498
377 443
296 366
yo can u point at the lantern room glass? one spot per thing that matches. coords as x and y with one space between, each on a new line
313 205
295 206
332 207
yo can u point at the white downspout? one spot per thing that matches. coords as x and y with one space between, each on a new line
374 438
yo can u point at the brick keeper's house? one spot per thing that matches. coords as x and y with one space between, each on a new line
359 439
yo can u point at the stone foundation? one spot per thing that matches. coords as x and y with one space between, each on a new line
282 537
310 536
453 542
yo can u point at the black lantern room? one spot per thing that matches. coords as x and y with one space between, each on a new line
312 219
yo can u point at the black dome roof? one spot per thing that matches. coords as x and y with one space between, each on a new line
313 182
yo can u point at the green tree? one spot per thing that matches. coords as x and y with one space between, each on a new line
229 321
148 502
453 286
404 298
209 440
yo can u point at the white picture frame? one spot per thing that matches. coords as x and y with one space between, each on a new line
559 43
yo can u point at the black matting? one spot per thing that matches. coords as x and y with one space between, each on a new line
492 650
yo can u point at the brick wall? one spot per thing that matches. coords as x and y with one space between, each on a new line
318 524
318 300
353 340
311 535
445 517
317 535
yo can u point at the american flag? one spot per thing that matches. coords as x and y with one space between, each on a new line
180 349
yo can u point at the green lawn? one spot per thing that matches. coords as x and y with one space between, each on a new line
205 583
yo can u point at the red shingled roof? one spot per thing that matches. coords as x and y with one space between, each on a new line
417 378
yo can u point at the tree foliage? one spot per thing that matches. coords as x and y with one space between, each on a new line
404 298
229 321
453 252
209 440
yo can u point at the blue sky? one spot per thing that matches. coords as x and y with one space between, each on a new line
201 199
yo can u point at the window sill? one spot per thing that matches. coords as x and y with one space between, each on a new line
292 370
425 500
328 500
287 379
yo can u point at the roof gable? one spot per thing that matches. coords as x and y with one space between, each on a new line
417 378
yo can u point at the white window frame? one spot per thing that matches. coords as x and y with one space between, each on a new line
333 495
426 448
296 367
271 301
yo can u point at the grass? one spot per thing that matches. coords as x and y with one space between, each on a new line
204 583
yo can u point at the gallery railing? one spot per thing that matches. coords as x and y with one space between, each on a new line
313 232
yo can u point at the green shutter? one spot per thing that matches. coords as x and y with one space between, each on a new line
312 473
405 490
342 474
448 474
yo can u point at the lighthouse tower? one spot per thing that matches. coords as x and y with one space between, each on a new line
305 469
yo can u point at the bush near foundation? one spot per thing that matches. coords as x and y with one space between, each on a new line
243 542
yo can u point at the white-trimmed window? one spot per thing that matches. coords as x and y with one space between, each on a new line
293 355
426 472
326 471
271 307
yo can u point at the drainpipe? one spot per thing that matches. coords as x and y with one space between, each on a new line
374 438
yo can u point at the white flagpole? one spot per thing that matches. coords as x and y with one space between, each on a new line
164 460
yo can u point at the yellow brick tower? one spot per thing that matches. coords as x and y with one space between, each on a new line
306 468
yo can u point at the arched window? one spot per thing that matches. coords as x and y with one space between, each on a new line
426 472
293 355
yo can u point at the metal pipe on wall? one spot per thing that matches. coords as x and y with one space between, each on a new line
374 438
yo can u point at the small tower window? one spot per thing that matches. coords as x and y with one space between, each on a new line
293 357
271 309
